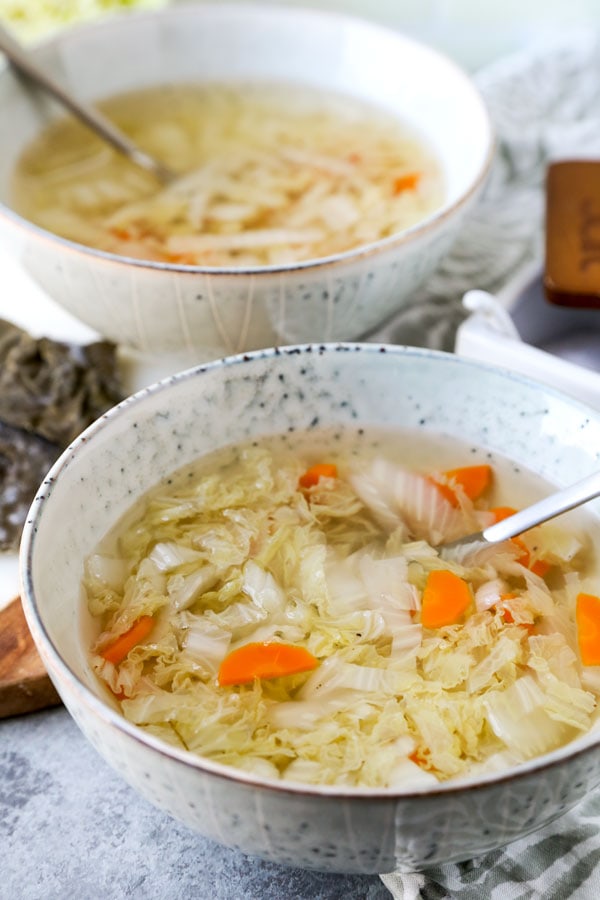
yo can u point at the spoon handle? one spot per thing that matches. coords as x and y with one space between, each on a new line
87 114
545 509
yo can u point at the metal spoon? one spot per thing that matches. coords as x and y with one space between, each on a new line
87 114
527 518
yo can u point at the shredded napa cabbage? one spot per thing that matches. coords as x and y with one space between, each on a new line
267 175
246 555
32 19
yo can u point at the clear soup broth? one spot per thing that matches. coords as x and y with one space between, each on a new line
281 607
270 174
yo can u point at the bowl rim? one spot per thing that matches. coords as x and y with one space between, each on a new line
59 670
359 253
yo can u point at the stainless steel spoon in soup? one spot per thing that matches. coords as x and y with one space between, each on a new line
89 115
527 518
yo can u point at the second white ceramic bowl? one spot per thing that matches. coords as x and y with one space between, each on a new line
202 314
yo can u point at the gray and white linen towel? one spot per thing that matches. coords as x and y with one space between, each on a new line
545 105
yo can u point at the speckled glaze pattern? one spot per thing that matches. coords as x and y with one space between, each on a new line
205 314
165 426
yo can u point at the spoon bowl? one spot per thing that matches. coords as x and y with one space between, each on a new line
87 114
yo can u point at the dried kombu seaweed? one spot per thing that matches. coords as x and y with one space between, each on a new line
54 389
49 392
24 461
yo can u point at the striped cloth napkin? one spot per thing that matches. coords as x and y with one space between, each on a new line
545 105
559 862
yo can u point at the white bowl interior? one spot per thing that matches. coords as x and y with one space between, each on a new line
238 43
161 429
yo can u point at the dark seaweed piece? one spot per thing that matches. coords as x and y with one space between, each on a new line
24 461
55 389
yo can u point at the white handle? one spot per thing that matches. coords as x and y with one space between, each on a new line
545 509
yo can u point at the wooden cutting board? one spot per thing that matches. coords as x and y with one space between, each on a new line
24 682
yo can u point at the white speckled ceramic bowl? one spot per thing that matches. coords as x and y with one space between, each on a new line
207 313
165 426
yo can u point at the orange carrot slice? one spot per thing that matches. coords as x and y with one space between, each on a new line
446 598
501 512
472 479
314 473
445 490
264 660
118 650
525 557
121 233
587 617
185 259
540 567
508 616
419 759
406 182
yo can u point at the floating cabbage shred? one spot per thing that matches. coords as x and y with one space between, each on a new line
237 551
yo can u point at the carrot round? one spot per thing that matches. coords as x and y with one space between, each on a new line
446 597
419 758
446 491
314 473
587 617
472 479
508 616
502 512
118 650
525 557
406 182
540 567
264 660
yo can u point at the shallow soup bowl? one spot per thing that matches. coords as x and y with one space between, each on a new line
202 313
351 386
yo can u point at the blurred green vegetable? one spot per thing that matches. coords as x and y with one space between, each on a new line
32 19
